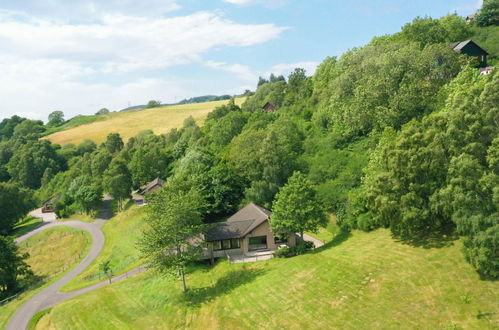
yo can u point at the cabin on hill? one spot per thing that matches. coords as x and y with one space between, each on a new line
246 233
471 48
154 185
269 106
49 204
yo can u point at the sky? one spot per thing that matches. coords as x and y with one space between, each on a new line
79 56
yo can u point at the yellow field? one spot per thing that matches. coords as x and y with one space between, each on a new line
159 120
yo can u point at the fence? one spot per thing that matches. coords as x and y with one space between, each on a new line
6 300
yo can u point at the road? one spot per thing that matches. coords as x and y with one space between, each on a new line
51 296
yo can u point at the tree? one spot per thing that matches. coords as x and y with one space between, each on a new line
153 104
489 14
105 267
12 266
118 181
113 143
175 220
297 208
103 111
15 203
88 196
56 118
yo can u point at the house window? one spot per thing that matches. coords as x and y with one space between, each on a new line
257 243
217 245
235 243
227 244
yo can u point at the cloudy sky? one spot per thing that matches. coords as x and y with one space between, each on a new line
81 55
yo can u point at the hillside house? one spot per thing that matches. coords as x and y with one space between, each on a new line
269 106
154 185
245 232
49 204
471 48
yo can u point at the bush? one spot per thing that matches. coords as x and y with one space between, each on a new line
288 252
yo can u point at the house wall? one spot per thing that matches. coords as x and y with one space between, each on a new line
262 230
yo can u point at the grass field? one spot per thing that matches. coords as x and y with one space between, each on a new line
129 123
53 252
121 232
359 281
25 226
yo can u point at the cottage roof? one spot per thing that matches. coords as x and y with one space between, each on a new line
53 199
269 106
459 45
150 185
240 224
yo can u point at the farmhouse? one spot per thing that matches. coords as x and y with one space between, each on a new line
48 205
245 232
269 106
470 48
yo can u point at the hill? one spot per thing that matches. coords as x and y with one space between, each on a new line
359 281
128 123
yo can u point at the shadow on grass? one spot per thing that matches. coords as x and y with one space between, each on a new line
430 240
341 237
223 286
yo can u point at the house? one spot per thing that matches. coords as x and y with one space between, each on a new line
49 204
269 106
470 48
245 232
154 185
470 18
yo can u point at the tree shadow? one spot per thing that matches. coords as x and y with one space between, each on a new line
223 286
430 240
106 211
341 237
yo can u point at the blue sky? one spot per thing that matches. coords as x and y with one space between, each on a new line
81 55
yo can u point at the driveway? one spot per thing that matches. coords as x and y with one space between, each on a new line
45 217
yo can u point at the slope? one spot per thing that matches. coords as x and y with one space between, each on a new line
128 123
367 280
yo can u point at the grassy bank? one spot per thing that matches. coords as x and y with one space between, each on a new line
160 120
122 233
359 281
53 253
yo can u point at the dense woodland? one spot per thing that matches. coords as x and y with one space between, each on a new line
401 133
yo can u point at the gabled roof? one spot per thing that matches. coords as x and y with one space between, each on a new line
269 106
150 185
240 224
53 199
459 45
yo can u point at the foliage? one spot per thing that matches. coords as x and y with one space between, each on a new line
56 118
300 248
113 143
12 267
15 203
153 104
118 181
488 15
103 111
175 223
296 208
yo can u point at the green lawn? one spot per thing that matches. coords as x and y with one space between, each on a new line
359 281
25 226
122 233
53 252
328 233
79 217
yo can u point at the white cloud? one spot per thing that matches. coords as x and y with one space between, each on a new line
266 3
286 68
47 65
243 72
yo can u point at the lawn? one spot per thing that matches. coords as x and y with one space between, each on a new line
25 226
79 217
327 234
359 281
122 233
129 123
53 252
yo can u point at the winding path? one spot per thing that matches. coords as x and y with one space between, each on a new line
50 295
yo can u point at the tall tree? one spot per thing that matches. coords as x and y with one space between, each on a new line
56 118
297 208
113 143
12 267
118 181
175 220
15 204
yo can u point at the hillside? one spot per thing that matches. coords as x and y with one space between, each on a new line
128 123
358 281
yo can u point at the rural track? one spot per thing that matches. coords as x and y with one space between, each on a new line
50 296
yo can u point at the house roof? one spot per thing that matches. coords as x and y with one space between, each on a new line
151 185
459 45
269 105
240 224
53 199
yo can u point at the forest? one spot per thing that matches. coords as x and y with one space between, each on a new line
401 133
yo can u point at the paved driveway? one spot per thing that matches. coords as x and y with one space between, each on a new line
45 217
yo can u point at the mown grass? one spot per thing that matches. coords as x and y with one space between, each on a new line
359 281
328 233
122 233
129 123
25 226
53 252
79 217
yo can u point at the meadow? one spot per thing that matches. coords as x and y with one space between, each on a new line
128 123
357 281
53 253
122 233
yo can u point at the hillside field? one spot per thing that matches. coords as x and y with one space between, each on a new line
357 281
128 123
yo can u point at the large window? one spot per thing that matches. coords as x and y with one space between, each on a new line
257 243
227 244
